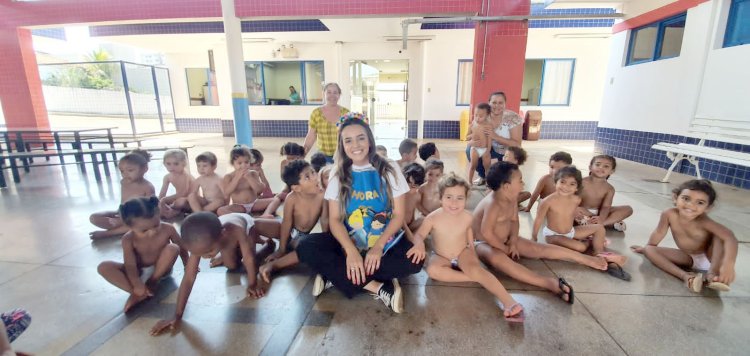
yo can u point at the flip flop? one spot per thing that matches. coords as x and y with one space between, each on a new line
718 286
518 317
695 284
561 282
614 270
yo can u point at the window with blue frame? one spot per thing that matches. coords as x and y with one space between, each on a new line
658 40
738 24
284 82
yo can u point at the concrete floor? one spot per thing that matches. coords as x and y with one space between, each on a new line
48 266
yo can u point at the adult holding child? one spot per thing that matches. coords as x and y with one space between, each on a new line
322 126
365 249
507 131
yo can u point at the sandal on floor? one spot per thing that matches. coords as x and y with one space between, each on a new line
614 270
718 286
695 284
515 318
561 282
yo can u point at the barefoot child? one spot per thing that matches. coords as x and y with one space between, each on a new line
596 198
150 249
292 152
517 155
559 209
257 158
703 245
546 184
429 192
241 186
303 208
454 258
414 174
133 166
496 227
206 193
204 235
175 160
428 151
408 151
480 143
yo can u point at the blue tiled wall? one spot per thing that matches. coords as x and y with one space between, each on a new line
411 128
58 33
441 129
538 9
636 146
206 27
198 125
568 130
268 128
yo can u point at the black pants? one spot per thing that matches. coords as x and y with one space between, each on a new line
325 256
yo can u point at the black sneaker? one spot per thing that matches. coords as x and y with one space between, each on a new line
320 285
390 294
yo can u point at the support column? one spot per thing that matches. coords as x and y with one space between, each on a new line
500 54
20 87
243 131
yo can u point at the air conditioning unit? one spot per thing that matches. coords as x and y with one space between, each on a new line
289 52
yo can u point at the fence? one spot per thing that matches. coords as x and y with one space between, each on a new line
136 98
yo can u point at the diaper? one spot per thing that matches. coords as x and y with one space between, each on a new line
548 232
146 273
701 262
480 151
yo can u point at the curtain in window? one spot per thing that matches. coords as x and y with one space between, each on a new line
558 74
463 93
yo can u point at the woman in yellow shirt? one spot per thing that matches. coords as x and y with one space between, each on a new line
322 127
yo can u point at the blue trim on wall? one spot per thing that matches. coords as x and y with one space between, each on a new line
636 146
412 126
660 25
199 125
206 27
568 130
269 128
538 9
57 33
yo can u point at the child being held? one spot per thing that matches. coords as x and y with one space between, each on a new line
133 166
175 160
454 258
429 191
480 143
546 185
414 174
517 156
204 235
596 198
428 151
150 249
206 193
303 208
241 186
408 151
703 245
559 209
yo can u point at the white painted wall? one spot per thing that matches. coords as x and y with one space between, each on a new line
663 96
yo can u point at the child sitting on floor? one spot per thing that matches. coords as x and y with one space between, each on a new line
496 229
428 151
258 166
546 185
408 151
559 209
429 191
241 186
133 166
150 249
517 156
596 198
480 144
703 245
318 160
292 152
206 193
454 258
175 160
303 208
205 235
414 174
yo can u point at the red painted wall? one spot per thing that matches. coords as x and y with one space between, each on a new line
20 87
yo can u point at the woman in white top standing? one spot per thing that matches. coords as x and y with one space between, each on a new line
508 131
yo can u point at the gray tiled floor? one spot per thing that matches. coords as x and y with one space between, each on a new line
48 266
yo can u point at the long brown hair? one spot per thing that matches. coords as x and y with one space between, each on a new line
344 166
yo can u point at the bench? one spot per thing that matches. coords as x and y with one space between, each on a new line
703 129
98 157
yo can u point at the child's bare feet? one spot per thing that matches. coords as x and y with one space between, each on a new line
133 300
694 282
638 249
95 235
614 258
265 271
513 314
596 262
216 261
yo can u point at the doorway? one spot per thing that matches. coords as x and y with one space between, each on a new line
380 90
